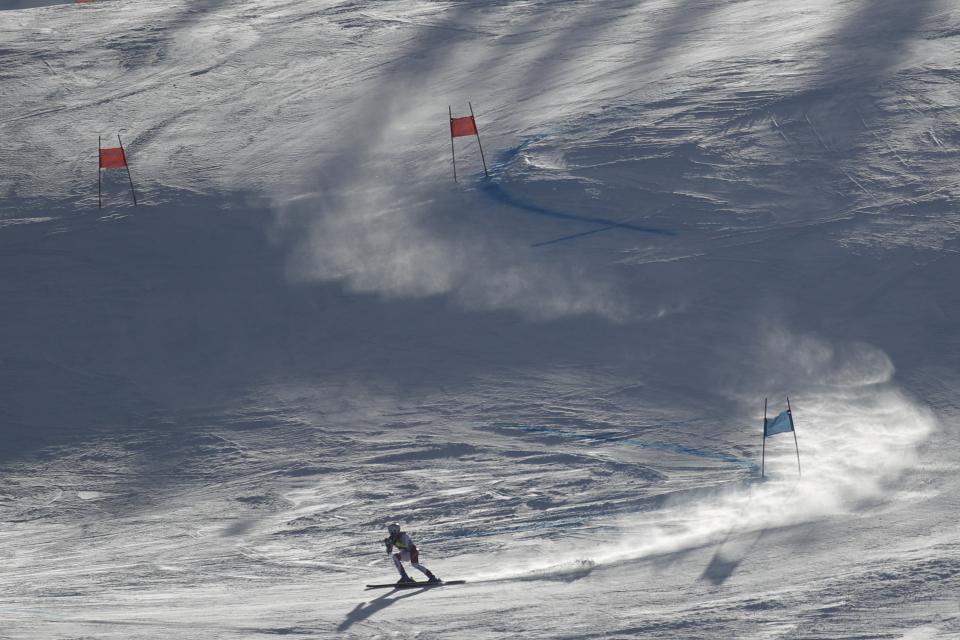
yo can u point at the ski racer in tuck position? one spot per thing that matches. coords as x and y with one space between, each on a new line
406 552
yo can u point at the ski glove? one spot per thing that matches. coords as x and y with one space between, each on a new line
387 542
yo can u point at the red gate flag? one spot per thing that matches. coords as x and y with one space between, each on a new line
465 126
112 158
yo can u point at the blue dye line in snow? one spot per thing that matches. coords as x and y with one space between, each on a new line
517 528
508 155
492 188
594 437
643 444
573 236
498 193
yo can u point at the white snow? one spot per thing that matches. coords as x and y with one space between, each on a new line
214 402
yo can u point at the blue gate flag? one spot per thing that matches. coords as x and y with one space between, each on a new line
783 423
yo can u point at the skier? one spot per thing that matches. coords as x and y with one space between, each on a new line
406 551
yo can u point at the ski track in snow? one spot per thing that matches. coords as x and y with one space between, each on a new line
552 375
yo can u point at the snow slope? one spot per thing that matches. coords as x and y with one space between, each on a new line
214 402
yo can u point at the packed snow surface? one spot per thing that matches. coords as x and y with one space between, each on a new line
553 375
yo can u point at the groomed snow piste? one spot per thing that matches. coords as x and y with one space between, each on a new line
213 403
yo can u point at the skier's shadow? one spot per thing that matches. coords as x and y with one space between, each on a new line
729 554
366 609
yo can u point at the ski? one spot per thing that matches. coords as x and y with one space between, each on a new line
415 585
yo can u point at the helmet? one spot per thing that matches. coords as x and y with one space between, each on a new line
394 529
